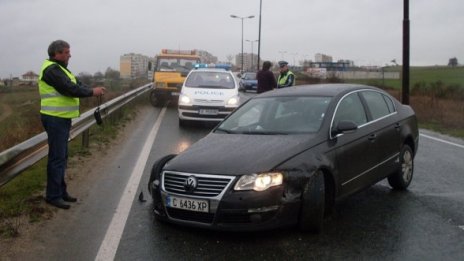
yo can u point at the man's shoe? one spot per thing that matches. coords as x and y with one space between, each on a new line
68 198
59 203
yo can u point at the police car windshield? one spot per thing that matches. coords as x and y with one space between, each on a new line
212 80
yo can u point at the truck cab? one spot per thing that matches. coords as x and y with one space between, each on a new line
171 68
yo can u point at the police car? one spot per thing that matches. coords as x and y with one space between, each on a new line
209 93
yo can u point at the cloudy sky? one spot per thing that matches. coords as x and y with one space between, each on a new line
369 32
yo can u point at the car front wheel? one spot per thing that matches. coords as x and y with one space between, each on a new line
402 178
312 205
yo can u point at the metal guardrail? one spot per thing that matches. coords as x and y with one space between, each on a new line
20 157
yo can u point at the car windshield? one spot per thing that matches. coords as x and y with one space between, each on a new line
213 80
277 115
249 76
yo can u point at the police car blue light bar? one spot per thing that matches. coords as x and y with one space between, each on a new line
224 66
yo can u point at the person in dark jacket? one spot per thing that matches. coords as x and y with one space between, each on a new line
266 79
59 92
286 77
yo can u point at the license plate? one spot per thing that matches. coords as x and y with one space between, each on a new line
174 93
197 205
208 112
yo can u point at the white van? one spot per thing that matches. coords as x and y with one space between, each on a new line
208 94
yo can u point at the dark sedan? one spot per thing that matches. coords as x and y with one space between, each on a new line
285 157
248 82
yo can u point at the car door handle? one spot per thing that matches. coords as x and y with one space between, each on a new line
372 137
397 126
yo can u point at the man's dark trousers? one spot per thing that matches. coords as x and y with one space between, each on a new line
58 135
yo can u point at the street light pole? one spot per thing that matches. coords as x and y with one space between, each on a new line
259 34
405 80
242 18
251 41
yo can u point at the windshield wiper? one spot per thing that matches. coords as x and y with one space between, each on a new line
225 130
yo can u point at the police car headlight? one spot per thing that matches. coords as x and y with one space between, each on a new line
259 182
233 101
184 100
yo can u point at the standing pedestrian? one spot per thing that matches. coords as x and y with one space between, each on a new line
266 79
59 93
286 77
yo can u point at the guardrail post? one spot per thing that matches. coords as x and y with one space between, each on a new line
85 138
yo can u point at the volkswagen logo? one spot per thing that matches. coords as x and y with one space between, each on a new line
190 184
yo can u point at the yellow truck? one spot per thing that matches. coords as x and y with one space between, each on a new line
170 69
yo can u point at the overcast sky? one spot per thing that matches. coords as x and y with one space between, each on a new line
369 32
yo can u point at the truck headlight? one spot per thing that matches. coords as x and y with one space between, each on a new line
259 182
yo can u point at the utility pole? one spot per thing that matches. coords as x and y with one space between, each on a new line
259 34
405 80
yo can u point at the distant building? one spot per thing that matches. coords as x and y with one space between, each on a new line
250 61
323 58
206 57
30 76
133 65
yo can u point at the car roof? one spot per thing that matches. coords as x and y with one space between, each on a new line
330 89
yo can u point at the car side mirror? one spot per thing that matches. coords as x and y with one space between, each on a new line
239 75
344 127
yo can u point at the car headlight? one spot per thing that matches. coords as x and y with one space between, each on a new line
259 182
233 101
184 99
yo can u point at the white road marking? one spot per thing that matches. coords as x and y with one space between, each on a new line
110 243
444 141
461 227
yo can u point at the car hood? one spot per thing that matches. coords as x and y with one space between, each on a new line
238 154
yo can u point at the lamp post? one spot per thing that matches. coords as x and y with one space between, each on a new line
242 18
406 47
259 34
251 41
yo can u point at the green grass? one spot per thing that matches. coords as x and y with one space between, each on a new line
426 74
437 127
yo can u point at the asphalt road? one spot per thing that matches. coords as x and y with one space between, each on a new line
424 223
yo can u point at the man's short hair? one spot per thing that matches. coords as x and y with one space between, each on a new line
57 47
267 65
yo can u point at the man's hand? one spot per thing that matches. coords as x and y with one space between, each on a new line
97 91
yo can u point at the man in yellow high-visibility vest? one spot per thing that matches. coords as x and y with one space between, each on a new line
59 92
286 77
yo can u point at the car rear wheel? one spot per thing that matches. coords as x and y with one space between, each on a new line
156 169
312 206
402 178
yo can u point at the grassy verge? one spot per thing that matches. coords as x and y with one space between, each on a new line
20 199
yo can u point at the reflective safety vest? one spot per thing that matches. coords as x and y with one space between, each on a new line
54 103
283 80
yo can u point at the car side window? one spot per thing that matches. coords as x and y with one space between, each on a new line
350 108
377 104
